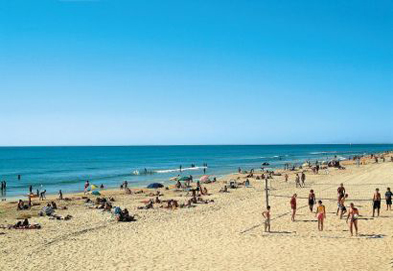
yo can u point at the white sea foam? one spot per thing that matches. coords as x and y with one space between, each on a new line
178 169
323 152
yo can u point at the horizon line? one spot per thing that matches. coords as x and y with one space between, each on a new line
180 145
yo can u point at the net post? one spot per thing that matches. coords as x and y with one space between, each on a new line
266 192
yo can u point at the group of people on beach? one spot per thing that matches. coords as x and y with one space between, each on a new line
300 179
352 213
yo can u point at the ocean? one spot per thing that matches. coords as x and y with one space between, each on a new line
67 168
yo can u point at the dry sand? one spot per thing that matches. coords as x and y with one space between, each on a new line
224 235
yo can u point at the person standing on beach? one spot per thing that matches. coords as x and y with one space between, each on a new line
388 198
342 206
376 202
266 215
87 184
60 195
340 195
293 206
303 179
42 195
286 177
311 200
30 189
321 215
297 181
353 215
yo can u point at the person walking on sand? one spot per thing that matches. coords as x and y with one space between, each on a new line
266 215
42 195
342 206
353 216
293 206
303 177
311 200
286 177
376 202
321 215
297 181
388 198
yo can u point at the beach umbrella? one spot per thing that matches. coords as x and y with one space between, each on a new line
155 185
93 186
204 178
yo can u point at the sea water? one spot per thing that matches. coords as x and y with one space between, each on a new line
67 168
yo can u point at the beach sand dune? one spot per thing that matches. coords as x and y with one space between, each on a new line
224 235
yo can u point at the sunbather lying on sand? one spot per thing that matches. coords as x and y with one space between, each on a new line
171 204
149 205
59 217
24 225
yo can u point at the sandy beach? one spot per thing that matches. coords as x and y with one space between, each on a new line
226 234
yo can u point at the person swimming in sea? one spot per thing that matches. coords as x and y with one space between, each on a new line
353 216
321 215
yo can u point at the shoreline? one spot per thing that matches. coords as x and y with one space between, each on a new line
229 220
112 191
220 175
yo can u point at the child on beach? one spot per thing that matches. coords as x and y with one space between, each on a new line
353 215
321 215
293 206
266 215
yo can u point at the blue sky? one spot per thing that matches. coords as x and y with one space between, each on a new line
115 72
